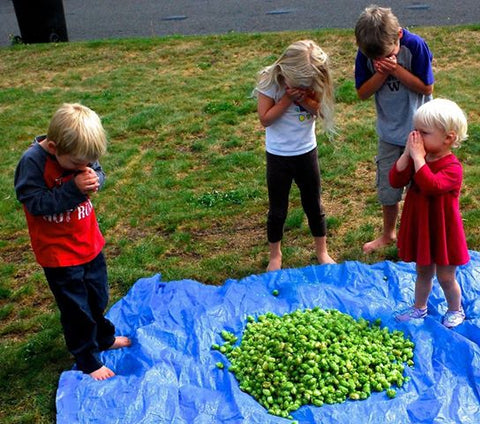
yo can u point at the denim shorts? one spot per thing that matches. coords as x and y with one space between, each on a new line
386 157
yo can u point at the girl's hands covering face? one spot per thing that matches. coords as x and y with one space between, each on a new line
296 94
415 145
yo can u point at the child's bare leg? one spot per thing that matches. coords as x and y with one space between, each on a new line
450 287
120 341
275 261
423 285
103 373
322 252
390 214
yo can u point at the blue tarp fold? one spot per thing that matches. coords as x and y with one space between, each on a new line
169 375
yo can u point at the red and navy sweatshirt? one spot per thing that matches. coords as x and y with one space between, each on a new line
61 220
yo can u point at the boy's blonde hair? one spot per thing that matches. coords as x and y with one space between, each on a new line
377 31
77 131
444 115
303 64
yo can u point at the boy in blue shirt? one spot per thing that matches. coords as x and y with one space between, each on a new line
395 65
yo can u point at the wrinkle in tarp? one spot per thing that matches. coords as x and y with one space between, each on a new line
169 374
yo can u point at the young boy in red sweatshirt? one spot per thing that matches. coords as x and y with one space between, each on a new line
53 181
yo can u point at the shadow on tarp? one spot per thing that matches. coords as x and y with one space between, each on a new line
169 374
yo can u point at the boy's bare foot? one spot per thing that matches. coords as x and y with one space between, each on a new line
120 341
103 373
275 264
378 243
325 258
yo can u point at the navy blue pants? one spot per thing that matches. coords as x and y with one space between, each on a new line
81 293
281 172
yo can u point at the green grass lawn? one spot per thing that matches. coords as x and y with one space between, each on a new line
185 194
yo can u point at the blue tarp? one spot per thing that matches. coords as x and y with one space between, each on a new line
169 375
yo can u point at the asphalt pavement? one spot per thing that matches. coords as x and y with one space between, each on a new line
99 19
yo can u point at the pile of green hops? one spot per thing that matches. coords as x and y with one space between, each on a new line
315 356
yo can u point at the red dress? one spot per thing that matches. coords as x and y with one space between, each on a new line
431 228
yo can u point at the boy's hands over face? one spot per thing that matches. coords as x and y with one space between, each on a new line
87 181
385 65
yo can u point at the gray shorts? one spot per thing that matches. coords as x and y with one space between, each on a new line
386 157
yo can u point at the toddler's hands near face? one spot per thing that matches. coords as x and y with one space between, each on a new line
415 145
87 181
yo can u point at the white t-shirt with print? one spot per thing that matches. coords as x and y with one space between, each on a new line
293 133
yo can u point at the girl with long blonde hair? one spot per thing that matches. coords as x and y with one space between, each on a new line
291 94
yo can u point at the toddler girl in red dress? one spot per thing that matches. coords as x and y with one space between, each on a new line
431 230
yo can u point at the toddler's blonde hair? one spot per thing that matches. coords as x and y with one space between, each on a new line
444 115
303 64
77 131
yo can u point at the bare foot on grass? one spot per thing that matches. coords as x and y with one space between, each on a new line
325 258
120 341
103 373
378 243
275 264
